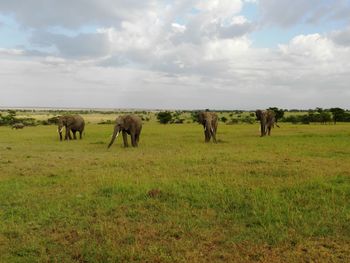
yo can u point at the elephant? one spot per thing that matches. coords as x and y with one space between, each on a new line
267 121
127 124
18 126
74 123
209 120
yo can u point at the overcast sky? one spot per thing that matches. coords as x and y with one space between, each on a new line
184 54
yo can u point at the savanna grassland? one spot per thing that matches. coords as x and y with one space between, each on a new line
283 198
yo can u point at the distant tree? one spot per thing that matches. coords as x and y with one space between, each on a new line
11 112
325 117
223 119
164 117
319 110
338 114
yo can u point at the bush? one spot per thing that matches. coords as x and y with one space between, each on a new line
106 122
194 116
223 119
177 121
248 119
164 117
232 121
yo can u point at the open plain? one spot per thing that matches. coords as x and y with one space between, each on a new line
283 198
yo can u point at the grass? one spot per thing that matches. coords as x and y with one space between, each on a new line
279 198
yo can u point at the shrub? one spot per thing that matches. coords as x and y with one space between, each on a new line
106 122
232 121
248 119
164 117
223 119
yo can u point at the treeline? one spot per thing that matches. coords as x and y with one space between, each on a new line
11 118
319 115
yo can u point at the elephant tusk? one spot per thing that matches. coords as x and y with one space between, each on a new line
117 135
205 128
60 130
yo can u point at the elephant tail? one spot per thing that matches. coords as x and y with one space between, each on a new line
114 136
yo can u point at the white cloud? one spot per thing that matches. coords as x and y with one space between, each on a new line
312 46
178 28
219 9
11 51
182 54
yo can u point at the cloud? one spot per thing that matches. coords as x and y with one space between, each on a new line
173 54
341 37
80 46
75 14
309 47
285 13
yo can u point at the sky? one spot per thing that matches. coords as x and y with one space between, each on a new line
180 54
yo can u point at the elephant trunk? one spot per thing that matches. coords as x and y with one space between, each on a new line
114 136
208 131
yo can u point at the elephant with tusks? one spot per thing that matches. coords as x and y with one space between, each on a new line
127 124
209 120
267 120
72 123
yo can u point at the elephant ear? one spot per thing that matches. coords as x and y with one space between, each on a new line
201 117
69 120
258 114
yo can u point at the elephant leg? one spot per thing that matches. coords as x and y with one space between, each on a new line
269 130
74 135
214 137
80 134
125 139
137 138
67 136
133 139
207 138
262 129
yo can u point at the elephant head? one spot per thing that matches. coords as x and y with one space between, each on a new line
209 120
127 124
259 115
61 123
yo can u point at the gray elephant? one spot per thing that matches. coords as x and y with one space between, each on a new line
127 124
18 126
267 121
74 123
209 120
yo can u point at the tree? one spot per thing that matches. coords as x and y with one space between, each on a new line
164 117
338 114
223 119
325 117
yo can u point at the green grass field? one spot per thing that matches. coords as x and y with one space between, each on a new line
284 198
